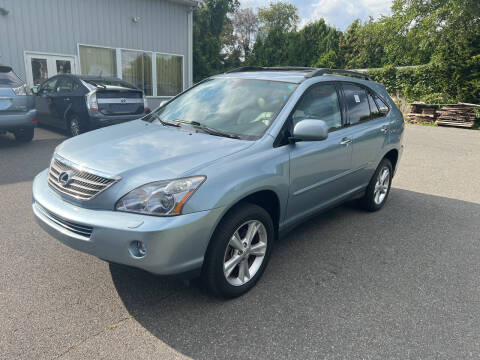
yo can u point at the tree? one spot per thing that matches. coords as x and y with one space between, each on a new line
209 21
245 27
280 15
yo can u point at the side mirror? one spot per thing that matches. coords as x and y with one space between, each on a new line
34 90
310 130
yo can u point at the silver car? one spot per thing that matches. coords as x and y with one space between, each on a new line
207 182
17 106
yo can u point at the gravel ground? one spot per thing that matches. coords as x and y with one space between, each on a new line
400 283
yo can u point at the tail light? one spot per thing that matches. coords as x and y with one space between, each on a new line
21 90
91 100
145 105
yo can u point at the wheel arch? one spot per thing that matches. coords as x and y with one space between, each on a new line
392 155
267 199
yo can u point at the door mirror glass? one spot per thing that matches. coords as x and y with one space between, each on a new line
310 130
34 90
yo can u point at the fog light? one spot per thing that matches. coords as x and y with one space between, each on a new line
137 249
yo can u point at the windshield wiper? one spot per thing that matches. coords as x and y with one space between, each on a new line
207 129
163 122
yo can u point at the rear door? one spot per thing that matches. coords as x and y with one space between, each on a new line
369 131
63 100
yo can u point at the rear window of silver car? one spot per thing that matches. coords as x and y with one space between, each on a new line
8 78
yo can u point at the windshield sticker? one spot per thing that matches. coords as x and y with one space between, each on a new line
357 98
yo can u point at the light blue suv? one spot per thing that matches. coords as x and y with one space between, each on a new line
206 183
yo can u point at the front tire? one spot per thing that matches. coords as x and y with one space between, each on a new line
239 251
24 134
379 187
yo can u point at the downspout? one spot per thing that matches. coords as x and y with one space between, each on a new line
190 45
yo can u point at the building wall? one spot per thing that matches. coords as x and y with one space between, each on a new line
57 26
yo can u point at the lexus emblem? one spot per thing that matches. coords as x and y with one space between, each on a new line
65 178
123 101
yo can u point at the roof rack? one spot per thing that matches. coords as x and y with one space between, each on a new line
320 72
312 72
278 68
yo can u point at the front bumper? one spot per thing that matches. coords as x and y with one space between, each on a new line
174 245
14 120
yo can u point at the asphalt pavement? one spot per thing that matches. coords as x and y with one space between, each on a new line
402 283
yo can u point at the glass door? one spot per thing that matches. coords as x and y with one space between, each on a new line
40 67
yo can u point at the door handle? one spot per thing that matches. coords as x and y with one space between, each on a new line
66 99
346 141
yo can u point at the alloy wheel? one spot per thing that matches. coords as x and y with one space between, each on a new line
245 252
382 185
74 127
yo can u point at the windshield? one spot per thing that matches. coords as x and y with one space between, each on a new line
241 107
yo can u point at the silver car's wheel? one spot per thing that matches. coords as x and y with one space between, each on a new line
245 252
239 251
382 185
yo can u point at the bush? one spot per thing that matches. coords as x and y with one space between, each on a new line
432 83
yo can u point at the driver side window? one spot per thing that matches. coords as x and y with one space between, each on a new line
320 102
49 86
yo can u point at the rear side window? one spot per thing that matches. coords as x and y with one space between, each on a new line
357 103
9 79
381 105
373 107
320 102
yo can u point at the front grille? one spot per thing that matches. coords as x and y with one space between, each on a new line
82 230
81 184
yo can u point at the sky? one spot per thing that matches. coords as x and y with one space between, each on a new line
338 13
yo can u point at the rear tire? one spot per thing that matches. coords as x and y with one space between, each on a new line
250 254
24 134
75 125
379 187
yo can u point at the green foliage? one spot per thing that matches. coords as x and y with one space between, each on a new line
209 21
440 37
279 15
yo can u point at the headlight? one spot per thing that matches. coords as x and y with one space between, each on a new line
161 198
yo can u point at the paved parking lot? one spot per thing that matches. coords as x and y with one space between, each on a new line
400 283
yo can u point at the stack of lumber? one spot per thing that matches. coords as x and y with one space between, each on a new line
422 113
461 114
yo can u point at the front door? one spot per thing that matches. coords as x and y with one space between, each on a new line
319 169
40 67
45 102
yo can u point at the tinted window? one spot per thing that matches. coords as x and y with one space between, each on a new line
49 86
320 103
381 105
373 107
110 82
357 103
66 84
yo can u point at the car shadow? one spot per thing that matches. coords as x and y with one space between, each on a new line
37 153
346 284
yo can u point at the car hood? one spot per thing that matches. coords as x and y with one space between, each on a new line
147 150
